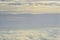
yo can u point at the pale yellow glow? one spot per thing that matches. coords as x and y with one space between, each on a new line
46 10
32 9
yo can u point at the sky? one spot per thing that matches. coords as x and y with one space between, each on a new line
24 21
32 17
31 0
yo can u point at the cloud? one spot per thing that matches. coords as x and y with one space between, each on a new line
33 9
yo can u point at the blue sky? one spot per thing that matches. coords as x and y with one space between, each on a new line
29 20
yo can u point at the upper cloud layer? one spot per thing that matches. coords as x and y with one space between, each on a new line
42 8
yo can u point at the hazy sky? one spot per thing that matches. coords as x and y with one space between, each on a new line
29 0
34 17
29 20
45 0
